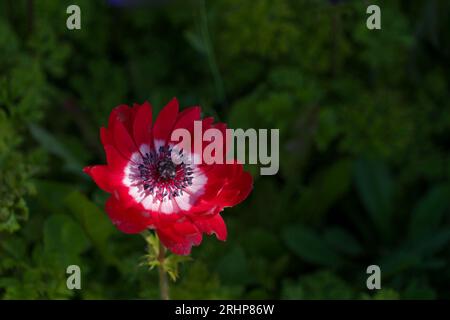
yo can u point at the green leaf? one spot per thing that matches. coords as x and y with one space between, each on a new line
309 246
341 240
15 247
94 222
172 263
51 195
198 282
399 261
319 285
64 240
196 41
375 189
326 188
151 258
386 294
10 224
263 242
418 289
433 242
428 212
233 267
51 144
417 254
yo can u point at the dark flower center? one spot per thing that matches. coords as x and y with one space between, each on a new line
167 169
162 178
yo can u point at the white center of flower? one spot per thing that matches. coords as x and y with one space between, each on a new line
159 184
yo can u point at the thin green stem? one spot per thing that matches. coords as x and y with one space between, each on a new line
30 16
218 82
157 253
163 281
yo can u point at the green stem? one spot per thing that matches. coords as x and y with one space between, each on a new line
218 82
163 281
30 16
157 251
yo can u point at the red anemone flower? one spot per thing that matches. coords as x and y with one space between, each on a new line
180 200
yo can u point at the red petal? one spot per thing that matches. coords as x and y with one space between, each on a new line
227 186
122 114
245 186
127 220
180 237
207 123
122 194
122 140
115 160
210 225
101 176
222 127
133 114
186 120
165 121
212 189
187 117
142 125
105 136
236 190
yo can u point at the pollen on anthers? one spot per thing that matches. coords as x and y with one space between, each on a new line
162 178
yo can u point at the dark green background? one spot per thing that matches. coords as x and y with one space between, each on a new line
364 119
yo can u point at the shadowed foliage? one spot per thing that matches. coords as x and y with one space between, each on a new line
364 119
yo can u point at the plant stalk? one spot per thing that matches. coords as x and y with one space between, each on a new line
163 281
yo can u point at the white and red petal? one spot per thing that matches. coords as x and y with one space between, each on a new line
131 145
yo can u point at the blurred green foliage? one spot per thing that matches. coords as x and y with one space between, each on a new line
364 119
